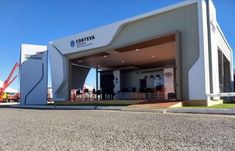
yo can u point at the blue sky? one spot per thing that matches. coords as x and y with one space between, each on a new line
41 21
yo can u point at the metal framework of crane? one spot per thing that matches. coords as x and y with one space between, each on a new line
8 81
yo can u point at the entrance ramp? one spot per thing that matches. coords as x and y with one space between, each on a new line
156 105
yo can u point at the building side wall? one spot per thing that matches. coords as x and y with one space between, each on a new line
59 74
228 53
217 42
223 45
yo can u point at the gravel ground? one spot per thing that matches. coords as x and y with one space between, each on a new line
113 130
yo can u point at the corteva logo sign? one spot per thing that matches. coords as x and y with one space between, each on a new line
82 42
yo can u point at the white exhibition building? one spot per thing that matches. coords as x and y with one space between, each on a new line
174 53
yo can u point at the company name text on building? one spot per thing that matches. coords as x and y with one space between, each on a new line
81 42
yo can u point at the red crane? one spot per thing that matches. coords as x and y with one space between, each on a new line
8 81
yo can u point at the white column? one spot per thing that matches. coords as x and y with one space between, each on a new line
116 81
169 81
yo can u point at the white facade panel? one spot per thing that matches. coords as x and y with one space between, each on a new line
33 75
200 70
103 36
96 38
59 73
169 82
116 81
214 48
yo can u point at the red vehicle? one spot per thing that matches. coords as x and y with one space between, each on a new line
7 82
13 97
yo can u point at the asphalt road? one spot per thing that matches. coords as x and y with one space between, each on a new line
113 130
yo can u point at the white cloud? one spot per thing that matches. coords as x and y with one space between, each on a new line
88 87
9 89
